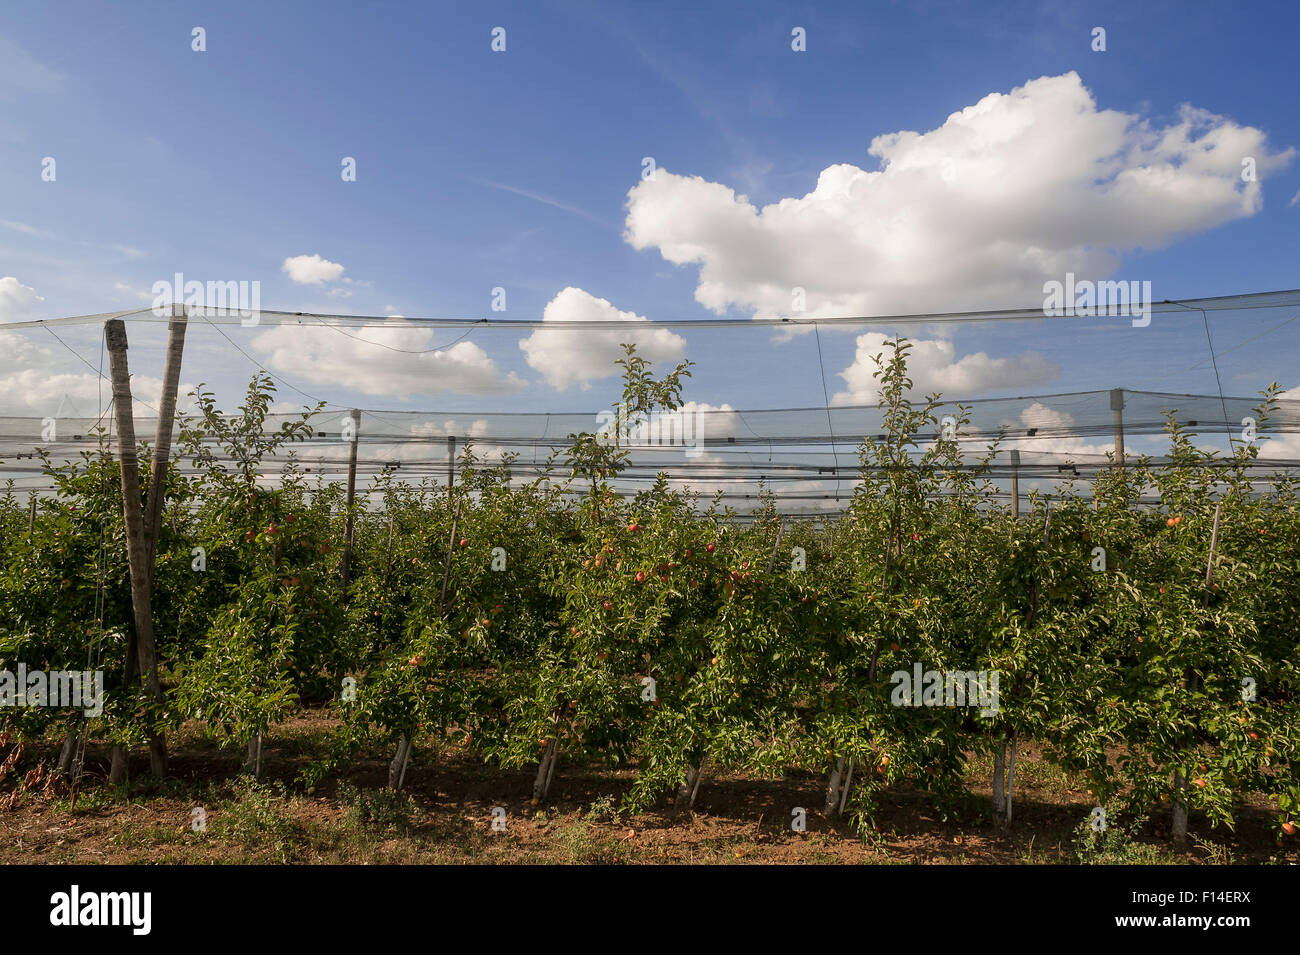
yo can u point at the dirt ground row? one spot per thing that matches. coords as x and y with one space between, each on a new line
456 810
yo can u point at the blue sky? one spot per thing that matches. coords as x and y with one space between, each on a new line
479 169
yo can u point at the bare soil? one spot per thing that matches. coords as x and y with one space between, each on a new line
446 815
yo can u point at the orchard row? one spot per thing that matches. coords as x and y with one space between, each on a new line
1152 650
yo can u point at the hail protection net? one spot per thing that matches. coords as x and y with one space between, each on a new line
781 406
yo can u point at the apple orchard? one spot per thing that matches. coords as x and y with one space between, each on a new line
561 621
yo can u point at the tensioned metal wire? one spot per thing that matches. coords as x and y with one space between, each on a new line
801 453
229 315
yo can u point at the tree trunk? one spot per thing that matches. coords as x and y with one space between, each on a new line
66 753
686 793
253 762
545 770
1180 808
999 780
684 790
397 767
117 773
833 788
844 790
1011 776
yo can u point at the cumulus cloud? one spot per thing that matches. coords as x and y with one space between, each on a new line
311 269
578 357
15 297
1286 445
1017 189
396 359
477 428
40 381
1055 434
933 366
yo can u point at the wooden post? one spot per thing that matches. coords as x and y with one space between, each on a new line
1015 485
352 496
162 445
1117 406
451 463
136 546
31 517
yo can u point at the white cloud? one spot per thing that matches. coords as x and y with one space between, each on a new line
1285 445
38 380
126 289
477 428
26 229
396 359
1295 200
932 365
311 269
578 357
1017 189
1055 434
15 297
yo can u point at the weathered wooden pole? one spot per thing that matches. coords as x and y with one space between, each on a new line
31 517
162 445
1117 406
451 463
137 550
352 496
1015 485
